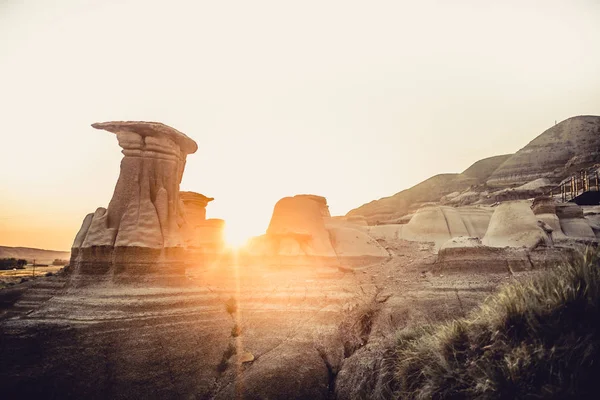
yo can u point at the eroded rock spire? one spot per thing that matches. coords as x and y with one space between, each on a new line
145 210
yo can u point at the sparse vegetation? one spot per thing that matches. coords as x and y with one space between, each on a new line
10 263
539 338
356 327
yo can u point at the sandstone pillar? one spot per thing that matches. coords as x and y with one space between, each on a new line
145 210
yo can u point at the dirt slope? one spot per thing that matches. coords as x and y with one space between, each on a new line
430 190
567 147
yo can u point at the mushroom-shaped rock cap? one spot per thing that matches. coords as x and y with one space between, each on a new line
157 129
193 197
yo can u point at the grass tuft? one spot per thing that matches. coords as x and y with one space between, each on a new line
538 338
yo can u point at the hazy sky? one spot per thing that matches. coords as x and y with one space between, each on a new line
352 100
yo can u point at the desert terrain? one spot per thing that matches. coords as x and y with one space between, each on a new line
153 303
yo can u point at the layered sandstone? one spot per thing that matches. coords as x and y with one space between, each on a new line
302 232
144 221
298 227
203 236
195 206
296 232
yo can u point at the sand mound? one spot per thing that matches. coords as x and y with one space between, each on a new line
513 224
388 233
592 216
351 242
461 242
572 221
537 184
544 208
434 224
440 223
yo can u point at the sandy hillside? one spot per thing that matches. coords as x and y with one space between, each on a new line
431 190
40 255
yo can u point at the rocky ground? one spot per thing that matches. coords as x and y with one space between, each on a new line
229 331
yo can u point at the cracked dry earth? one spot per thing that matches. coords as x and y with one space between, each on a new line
230 332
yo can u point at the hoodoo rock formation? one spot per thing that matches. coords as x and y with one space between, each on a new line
297 231
145 216
146 311
195 206
298 226
302 231
203 235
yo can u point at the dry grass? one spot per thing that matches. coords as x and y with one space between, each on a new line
539 338
12 277
356 325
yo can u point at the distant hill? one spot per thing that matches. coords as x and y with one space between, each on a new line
432 189
567 147
39 255
482 169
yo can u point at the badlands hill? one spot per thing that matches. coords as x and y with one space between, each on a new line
565 148
389 209
30 254
482 169
153 306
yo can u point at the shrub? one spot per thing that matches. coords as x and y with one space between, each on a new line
357 324
10 263
538 338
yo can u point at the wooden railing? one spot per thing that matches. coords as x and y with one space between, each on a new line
581 182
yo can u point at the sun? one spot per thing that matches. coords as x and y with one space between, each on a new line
236 237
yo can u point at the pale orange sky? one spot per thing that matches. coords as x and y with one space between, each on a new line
346 99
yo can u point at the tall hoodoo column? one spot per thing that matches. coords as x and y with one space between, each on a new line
145 210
